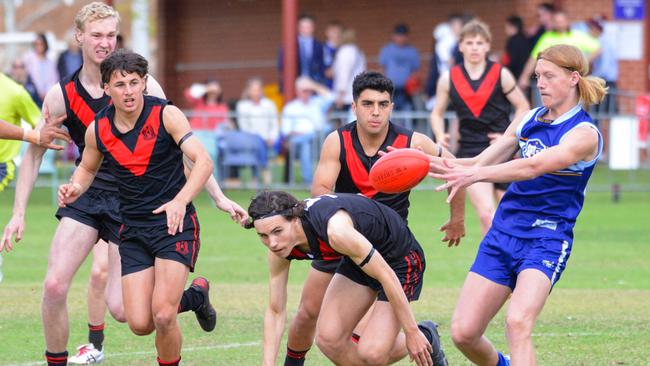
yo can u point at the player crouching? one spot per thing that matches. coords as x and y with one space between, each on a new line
382 261
144 139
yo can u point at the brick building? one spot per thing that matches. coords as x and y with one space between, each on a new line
233 40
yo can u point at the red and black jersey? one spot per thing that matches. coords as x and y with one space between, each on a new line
80 109
145 161
382 226
355 166
481 105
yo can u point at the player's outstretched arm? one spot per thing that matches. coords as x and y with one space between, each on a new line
85 173
275 316
236 212
345 239
437 114
53 114
179 128
581 144
328 167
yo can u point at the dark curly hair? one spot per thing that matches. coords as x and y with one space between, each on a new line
371 80
124 61
270 203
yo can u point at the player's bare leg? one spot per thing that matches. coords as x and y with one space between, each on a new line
113 293
168 289
71 244
303 326
481 195
527 302
471 318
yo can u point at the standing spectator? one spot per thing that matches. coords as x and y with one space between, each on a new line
19 74
545 18
310 52
517 46
40 67
348 63
400 60
302 119
209 112
258 115
333 34
70 60
605 66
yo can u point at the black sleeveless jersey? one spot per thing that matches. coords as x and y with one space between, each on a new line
481 105
145 161
80 109
382 226
355 166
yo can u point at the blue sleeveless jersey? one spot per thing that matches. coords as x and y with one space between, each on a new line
546 206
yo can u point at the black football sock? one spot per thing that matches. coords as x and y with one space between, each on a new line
96 335
192 299
295 358
56 359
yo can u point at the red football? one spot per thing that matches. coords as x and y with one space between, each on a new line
399 170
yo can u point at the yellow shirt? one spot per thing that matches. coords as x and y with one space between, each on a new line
586 43
15 104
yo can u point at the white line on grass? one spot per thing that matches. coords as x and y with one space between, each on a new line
185 349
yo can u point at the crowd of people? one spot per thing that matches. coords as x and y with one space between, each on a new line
129 201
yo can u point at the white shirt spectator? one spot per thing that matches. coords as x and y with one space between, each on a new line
258 118
348 63
302 118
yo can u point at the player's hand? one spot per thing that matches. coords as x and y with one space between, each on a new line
52 130
523 83
175 211
236 212
68 193
15 228
454 231
444 141
494 136
456 176
419 348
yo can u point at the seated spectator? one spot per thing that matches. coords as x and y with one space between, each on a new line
258 115
209 112
302 119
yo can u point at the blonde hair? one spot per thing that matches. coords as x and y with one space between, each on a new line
94 11
476 28
591 89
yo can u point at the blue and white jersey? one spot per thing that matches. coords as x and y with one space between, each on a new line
546 206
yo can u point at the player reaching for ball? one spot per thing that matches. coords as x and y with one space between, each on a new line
346 158
527 248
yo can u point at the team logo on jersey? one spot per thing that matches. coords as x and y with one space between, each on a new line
182 247
532 147
148 133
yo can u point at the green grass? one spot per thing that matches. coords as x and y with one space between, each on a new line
598 314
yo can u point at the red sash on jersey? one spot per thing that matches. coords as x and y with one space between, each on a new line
137 160
475 100
327 252
357 170
78 105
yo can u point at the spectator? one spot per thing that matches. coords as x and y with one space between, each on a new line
69 60
348 63
605 66
545 18
310 52
258 115
302 119
560 34
333 34
40 67
19 74
400 61
209 112
517 46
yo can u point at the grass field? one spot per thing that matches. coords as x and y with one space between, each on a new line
599 313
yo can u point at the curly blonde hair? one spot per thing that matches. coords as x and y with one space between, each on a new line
94 11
